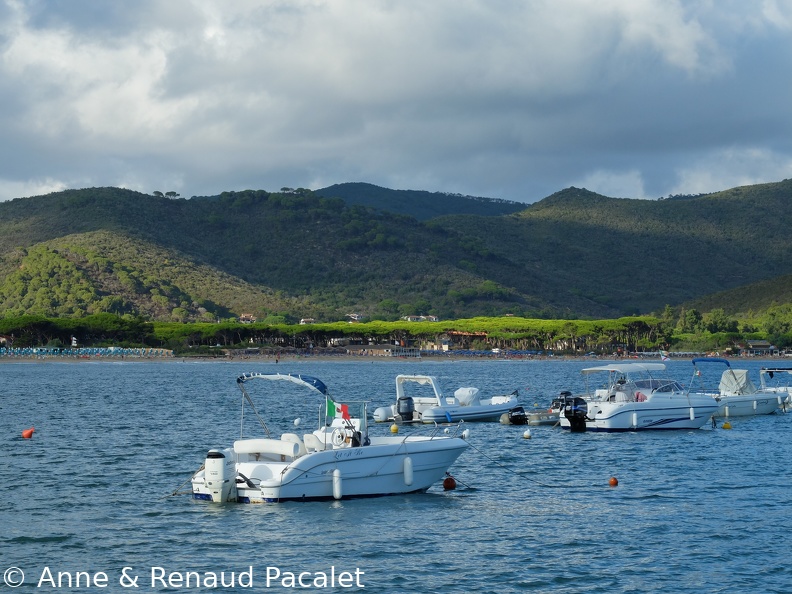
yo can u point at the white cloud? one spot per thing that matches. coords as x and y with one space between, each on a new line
627 184
732 167
21 188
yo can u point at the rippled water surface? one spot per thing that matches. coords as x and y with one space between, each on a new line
694 511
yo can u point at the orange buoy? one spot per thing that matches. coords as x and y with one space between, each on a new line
28 433
449 484
613 482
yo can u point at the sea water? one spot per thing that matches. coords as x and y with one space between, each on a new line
88 502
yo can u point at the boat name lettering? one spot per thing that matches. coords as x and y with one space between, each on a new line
348 453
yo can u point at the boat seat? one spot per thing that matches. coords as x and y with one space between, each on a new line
256 449
294 438
314 444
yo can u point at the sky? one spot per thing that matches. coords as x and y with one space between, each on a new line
510 99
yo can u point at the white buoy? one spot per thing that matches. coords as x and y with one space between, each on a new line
446 431
527 434
466 434
408 471
297 422
337 486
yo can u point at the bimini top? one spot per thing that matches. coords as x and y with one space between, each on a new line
626 368
303 380
711 360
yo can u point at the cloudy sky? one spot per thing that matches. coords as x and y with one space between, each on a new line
512 99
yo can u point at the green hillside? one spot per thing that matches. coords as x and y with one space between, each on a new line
297 254
635 256
318 257
417 203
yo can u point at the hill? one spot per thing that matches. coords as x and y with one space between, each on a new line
749 299
634 256
297 253
418 203
313 257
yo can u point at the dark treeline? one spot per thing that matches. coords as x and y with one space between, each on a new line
691 332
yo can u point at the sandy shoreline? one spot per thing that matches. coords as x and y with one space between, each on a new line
301 358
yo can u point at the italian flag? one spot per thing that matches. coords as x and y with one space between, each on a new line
333 409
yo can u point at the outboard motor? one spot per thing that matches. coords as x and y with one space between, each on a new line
517 416
405 408
220 476
575 410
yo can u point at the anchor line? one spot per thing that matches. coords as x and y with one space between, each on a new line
176 491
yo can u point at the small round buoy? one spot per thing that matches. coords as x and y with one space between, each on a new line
449 484
727 425
446 431
613 482
297 422
394 428
527 434
28 433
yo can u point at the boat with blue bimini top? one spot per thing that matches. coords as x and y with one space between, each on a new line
633 397
338 460
736 394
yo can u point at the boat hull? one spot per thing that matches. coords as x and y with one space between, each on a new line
747 406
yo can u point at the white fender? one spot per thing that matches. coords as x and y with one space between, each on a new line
408 471
337 484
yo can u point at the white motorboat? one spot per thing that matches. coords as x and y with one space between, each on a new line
737 396
632 397
424 402
339 460
778 380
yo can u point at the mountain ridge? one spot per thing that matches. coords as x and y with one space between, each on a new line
298 253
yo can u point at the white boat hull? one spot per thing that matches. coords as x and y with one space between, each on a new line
748 405
388 466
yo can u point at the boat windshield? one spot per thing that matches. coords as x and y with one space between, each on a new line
659 385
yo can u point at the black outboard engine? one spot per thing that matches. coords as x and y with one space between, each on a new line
575 410
517 416
405 407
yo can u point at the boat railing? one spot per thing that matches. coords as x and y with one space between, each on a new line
435 430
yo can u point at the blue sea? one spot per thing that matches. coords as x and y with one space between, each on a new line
88 504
